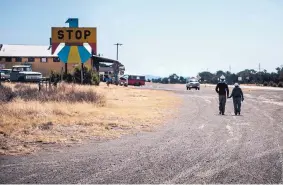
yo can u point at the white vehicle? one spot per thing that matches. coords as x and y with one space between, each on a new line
192 83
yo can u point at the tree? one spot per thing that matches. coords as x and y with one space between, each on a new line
206 76
220 73
174 78
182 80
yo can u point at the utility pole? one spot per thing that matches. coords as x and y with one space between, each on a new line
259 67
118 44
116 66
230 69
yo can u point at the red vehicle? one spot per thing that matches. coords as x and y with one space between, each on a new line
135 80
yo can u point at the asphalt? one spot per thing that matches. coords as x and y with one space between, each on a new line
195 146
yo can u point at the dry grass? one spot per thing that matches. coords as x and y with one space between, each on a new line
24 122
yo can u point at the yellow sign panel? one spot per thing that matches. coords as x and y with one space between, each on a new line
74 35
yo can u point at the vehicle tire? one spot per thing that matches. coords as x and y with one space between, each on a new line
187 88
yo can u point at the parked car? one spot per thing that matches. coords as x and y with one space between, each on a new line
192 83
24 73
123 81
5 74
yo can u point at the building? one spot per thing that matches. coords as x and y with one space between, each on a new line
41 59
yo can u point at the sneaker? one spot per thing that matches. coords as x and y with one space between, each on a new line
236 113
239 113
222 113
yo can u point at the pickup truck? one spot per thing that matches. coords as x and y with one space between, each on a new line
24 73
192 83
5 74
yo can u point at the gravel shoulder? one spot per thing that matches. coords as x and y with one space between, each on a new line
195 146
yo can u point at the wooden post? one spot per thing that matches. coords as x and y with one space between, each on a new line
66 68
49 82
82 74
39 86
62 73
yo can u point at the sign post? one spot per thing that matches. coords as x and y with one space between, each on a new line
74 37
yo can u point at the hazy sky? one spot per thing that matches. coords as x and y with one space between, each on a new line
160 36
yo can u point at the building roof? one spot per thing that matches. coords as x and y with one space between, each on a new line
13 50
26 51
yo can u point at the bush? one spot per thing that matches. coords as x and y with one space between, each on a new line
54 77
265 84
280 84
65 92
271 84
67 77
6 94
274 85
90 77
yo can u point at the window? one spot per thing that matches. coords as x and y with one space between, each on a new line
18 59
17 69
27 69
8 59
6 71
30 59
56 59
43 59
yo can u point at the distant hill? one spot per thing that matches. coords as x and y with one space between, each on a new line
150 77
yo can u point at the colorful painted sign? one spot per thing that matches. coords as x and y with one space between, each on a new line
74 39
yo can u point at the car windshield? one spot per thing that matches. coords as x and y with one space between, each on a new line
5 71
193 80
20 69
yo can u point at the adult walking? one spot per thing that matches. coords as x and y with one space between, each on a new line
223 92
238 97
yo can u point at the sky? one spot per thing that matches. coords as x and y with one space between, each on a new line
160 37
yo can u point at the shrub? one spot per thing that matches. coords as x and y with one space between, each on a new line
65 92
6 94
90 77
54 77
67 77
271 84
280 84
265 84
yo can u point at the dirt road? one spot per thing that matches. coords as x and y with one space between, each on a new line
198 146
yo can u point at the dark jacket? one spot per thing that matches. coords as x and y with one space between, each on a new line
237 93
222 88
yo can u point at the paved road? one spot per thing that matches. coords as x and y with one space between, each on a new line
198 146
